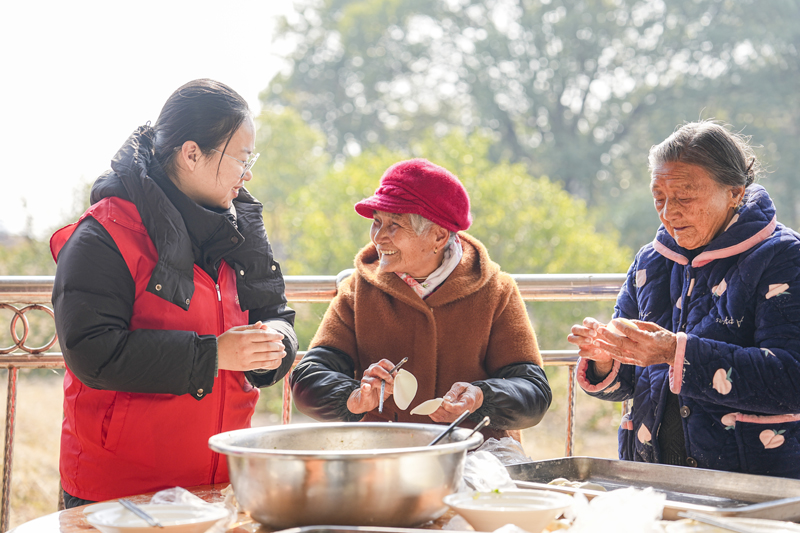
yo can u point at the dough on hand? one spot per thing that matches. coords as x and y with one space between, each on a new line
613 329
428 407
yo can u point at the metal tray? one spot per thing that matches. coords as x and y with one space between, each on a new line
687 489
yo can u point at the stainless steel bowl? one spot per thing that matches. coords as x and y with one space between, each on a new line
359 474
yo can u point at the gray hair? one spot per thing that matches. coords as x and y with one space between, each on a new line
421 225
726 156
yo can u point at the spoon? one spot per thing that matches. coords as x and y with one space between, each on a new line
403 361
141 513
451 427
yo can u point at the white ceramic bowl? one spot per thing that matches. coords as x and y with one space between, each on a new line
532 510
174 518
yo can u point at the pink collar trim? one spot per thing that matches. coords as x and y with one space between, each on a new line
706 257
669 254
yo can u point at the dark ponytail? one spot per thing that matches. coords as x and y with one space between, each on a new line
204 111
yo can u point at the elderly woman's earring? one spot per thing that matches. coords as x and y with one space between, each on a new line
435 250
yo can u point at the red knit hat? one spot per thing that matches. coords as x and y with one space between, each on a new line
420 187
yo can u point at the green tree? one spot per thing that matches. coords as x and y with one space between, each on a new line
575 90
292 155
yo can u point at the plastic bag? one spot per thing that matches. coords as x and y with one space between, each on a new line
177 496
507 450
484 472
181 496
628 510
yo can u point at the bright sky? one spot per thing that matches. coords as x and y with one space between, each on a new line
79 76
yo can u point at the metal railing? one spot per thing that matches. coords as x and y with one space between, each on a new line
22 294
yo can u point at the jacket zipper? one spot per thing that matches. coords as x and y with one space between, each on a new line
221 384
686 294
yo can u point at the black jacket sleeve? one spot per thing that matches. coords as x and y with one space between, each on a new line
281 319
516 397
93 296
322 382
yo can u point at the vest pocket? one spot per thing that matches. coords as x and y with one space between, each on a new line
114 420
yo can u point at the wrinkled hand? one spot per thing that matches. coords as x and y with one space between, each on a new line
461 397
252 347
366 397
649 344
584 338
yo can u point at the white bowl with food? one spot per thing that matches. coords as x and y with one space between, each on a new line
531 510
174 518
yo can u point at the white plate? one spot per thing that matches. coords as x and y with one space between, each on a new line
758 525
89 509
174 518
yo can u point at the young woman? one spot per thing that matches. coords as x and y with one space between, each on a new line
169 306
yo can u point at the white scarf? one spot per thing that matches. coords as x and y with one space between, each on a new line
452 256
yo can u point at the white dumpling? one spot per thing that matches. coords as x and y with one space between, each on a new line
613 329
405 388
428 407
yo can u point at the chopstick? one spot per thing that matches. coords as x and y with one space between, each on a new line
456 422
141 513
403 361
712 521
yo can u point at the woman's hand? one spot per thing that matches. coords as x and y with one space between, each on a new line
367 396
461 397
645 345
584 338
252 347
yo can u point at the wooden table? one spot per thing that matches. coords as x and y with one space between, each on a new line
74 520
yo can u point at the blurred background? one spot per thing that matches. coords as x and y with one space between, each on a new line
546 110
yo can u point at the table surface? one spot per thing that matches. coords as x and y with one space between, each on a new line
74 520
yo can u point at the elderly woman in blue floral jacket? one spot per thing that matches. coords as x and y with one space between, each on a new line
712 362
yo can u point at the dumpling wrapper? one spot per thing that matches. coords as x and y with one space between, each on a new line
405 388
428 407
613 329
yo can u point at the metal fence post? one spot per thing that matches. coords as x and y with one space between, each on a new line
569 448
11 411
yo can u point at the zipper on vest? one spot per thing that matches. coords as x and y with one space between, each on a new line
221 383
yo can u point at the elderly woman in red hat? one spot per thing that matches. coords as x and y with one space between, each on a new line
424 289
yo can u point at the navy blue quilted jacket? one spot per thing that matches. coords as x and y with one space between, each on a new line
736 310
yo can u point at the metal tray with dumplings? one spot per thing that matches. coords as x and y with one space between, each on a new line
687 489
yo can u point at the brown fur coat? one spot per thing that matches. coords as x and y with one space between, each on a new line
472 326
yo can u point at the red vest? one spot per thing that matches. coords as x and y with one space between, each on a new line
116 444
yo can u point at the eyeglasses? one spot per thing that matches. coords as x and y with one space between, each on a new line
247 164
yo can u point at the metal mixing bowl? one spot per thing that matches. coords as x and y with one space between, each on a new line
361 474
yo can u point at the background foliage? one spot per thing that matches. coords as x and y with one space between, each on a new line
575 90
